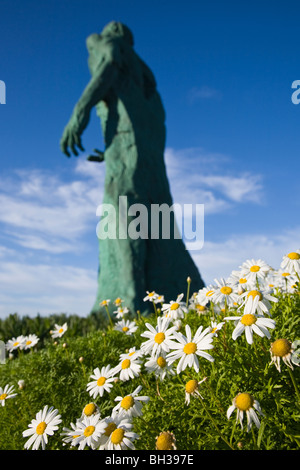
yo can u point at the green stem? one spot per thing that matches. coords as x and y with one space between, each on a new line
294 383
216 427
109 317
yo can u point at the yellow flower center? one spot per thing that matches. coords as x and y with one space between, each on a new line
209 293
254 268
3 396
248 319
101 381
125 328
125 364
164 441
89 409
110 428
174 306
151 294
16 343
255 293
41 428
201 308
242 280
28 342
60 330
191 386
127 402
190 348
285 274
89 431
159 338
281 347
226 290
244 401
118 301
294 255
117 436
161 361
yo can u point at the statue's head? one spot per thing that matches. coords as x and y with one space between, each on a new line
113 29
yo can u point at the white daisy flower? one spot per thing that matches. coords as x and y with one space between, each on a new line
69 435
121 312
6 393
130 405
132 353
285 350
151 296
257 302
128 368
192 389
118 302
159 366
15 343
205 294
91 409
186 349
251 323
103 381
159 299
31 341
126 326
245 403
291 262
105 303
59 330
117 433
158 337
89 431
239 283
224 293
45 424
175 310
215 327
254 270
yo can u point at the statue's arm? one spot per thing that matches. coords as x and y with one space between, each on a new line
102 80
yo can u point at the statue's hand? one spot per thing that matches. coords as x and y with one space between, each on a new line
71 137
96 158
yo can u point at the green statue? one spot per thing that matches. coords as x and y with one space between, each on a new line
123 90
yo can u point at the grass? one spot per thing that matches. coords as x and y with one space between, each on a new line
56 373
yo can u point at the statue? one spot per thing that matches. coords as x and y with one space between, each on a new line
123 90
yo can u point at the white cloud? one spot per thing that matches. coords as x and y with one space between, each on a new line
203 92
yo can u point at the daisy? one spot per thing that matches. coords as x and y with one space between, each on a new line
285 350
88 432
44 425
118 302
257 301
159 299
158 337
59 330
291 262
102 381
175 310
192 389
117 434
165 441
15 343
151 296
187 348
104 303
69 435
224 293
238 283
251 323
131 406
214 327
244 402
159 366
126 326
254 270
128 368
121 311
6 393
31 341
205 294
132 353
91 409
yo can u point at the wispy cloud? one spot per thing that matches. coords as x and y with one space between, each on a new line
203 93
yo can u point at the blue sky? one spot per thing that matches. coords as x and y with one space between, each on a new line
224 71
